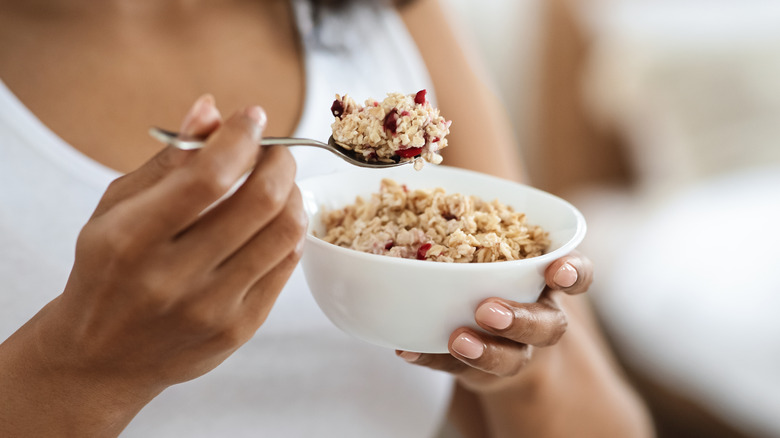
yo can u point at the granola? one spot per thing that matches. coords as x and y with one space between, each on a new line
429 224
400 128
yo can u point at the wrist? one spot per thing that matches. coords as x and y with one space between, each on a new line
570 389
534 378
46 396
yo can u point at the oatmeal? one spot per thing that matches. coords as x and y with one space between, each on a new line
433 225
400 128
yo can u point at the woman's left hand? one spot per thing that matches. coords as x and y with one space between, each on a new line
488 360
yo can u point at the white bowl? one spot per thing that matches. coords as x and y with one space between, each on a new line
415 305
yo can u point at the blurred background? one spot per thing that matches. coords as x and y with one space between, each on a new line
660 120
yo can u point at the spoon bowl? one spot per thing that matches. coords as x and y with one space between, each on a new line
189 143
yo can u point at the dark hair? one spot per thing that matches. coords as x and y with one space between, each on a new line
328 3
341 3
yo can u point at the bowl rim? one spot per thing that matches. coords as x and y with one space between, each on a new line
559 252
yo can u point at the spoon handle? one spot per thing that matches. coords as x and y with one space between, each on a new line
189 143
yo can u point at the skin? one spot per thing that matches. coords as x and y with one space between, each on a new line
520 385
183 296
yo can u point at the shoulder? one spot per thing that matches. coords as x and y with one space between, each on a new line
481 137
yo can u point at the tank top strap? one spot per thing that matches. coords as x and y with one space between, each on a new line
363 50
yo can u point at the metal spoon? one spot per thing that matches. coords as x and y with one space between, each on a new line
173 139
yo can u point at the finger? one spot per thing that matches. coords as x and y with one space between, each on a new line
572 274
259 300
229 225
252 312
491 354
540 324
439 362
229 323
177 200
470 351
264 252
239 296
201 120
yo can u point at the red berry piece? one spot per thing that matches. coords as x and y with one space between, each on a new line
337 108
409 153
423 251
389 244
420 97
391 121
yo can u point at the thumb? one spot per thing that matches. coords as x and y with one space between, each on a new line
201 120
572 274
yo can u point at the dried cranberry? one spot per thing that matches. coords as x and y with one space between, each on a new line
423 251
405 113
435 139
391 121
337 108
409 153
389 244
420 97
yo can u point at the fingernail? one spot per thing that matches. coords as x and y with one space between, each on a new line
468 346
204 104
566 276
301 243
409 356
257 115
494 315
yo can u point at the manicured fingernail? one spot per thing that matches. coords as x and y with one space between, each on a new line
566 276
299 246
468 346
409 356
494 315
256 114
199 109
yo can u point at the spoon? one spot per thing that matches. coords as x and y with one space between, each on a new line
189 143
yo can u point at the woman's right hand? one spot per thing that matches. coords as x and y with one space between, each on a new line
167 284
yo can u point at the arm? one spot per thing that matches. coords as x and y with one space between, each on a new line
595 153
481 136
573 388
161 292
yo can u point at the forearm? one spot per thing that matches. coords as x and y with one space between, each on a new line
572 389
40 398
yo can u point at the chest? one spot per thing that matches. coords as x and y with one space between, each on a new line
99 86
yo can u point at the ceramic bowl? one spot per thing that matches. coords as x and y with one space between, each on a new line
415 305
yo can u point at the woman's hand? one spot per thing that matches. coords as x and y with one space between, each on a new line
173 272
496 358
162 292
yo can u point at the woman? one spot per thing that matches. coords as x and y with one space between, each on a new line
160 294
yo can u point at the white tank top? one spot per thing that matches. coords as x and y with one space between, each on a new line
299 376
